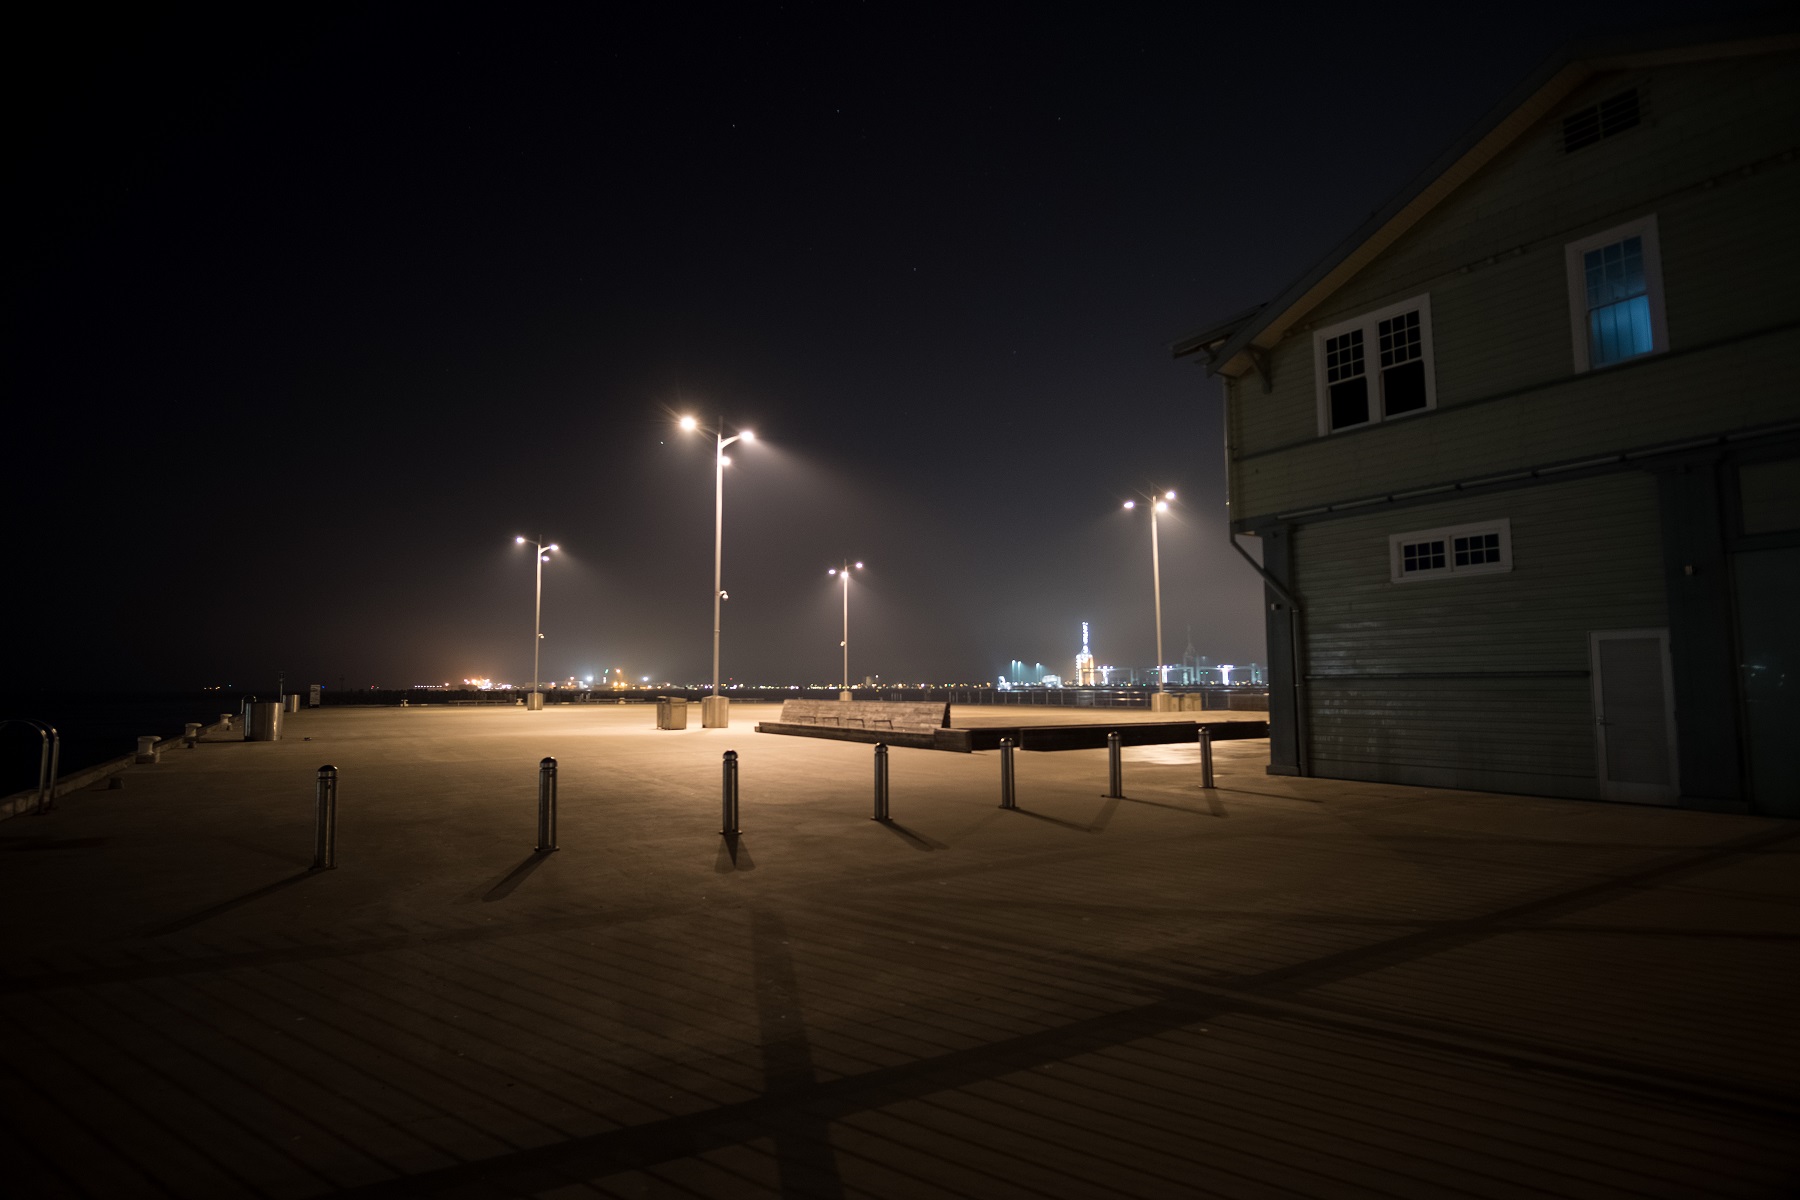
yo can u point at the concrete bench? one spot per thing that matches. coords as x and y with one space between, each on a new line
898 716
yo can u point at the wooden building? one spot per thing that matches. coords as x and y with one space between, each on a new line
1523 452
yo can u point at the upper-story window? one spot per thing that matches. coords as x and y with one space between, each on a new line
1375 367
1615 295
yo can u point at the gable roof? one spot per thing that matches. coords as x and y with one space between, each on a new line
1232 347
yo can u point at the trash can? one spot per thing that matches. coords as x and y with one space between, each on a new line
671 712
292 702
262 720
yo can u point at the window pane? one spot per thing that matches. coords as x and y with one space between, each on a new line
1403 388
1615 272
1421 556
1349 403
1620 331
1344 356
1400 339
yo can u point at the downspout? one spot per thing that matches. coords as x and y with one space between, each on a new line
1274 585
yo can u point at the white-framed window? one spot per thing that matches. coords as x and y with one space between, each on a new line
1376 367
1616 295
1483 548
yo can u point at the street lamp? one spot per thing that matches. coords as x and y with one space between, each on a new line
536 700
715 710
1157 504
844 573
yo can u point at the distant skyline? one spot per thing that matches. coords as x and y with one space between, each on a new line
312 313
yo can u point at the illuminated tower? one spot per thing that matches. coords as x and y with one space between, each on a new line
1084 662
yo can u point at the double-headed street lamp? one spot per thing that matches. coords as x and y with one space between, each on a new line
844 572
1157 504
537 621
715 709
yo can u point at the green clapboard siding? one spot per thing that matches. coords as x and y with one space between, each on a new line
1586 556
1713 162
1652 402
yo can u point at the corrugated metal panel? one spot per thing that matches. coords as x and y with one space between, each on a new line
1506 735
1586 555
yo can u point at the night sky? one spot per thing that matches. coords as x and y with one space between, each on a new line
310 314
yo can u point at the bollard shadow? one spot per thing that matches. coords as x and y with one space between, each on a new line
224 906
513 878
1271 795
805 1160
916 840
733 855
1099 824
38 841
1216 809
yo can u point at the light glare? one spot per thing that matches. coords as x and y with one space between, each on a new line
689 424
747 436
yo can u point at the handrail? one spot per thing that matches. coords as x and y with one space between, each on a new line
49 759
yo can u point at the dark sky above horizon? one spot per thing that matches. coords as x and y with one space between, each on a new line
311 313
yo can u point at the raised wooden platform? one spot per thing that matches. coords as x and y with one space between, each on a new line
1088 736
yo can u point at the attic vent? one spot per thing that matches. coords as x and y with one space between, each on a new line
1615 114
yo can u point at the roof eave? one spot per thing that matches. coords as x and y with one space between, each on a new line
1528 103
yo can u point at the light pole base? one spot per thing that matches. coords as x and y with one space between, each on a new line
534 701
715 712
845 696
1165 702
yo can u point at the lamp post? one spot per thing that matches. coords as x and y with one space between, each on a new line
715 710
844 573
542 554
1157 504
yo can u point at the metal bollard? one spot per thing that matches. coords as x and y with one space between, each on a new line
325 837
1007 796
1115 768
546 805
728 821
1206 776
881 786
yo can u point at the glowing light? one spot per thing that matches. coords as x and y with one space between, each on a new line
689 424
1131 504
1162 506
859 566
519 540
747 436
1168 495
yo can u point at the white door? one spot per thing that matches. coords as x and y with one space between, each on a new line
1635 715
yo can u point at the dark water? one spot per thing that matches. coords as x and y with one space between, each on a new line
96 726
